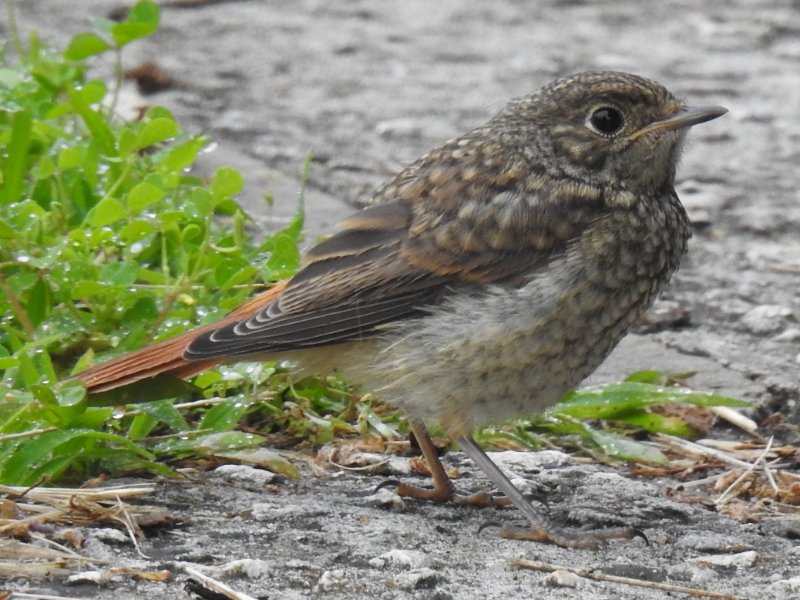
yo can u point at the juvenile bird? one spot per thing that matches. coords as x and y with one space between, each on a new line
487 279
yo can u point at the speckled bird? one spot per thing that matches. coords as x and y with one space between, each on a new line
486 280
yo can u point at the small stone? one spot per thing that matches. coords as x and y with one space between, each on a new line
245 474
708 541
377 562
95 577
789 335
742 559
272 510
249 567
330 581
112 536
531 462
386 498
398 128
417 579
562 578
413 559
784 587
767 318
694 574
296 563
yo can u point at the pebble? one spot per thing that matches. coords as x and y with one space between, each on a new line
269 511
417 579
767 318
532 461
245 474
330 581
398 128
385 498
707 541
789 335
741 559
113 536
412 559
562 578
249 567
784 587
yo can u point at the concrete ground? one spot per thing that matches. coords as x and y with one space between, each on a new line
368 87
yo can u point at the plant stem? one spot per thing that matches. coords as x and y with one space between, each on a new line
11 15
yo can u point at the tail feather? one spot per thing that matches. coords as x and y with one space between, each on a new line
166 358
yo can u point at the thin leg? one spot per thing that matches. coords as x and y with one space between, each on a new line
443 489
543 530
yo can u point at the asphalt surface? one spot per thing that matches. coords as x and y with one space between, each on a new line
367 87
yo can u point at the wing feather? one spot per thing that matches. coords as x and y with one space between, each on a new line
393 260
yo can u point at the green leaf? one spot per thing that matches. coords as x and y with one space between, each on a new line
605 401
87 289
71 157
8 362
229 272
285 257
136 230
49 453
165 412
156 131
266 458
656 423
622 448
94 121
226 182
201 199
93 91
121 273
14 169
143 195
141 426
85 45
127 143
9 78
46 168
105 212
40 300
183 155
63 405
142 21
228 441
226 415
6 232
649 376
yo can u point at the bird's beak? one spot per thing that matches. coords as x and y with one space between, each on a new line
686 117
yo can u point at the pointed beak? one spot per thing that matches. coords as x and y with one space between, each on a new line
691 115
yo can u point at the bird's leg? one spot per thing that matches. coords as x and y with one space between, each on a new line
542 529
443 489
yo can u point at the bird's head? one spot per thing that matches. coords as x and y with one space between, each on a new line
609 127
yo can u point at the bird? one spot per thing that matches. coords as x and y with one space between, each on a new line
485 280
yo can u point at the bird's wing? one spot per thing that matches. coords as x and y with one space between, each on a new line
389 262
436 230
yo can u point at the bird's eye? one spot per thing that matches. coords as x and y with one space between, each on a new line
606 120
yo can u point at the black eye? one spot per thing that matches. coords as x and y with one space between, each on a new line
606 120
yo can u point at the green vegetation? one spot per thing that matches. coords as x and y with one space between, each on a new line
108 242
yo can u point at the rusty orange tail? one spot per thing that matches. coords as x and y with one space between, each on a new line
166 358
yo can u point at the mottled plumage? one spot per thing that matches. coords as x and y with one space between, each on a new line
489 277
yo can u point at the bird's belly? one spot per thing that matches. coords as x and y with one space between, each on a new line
509 353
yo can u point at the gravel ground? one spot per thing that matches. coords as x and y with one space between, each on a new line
369 86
